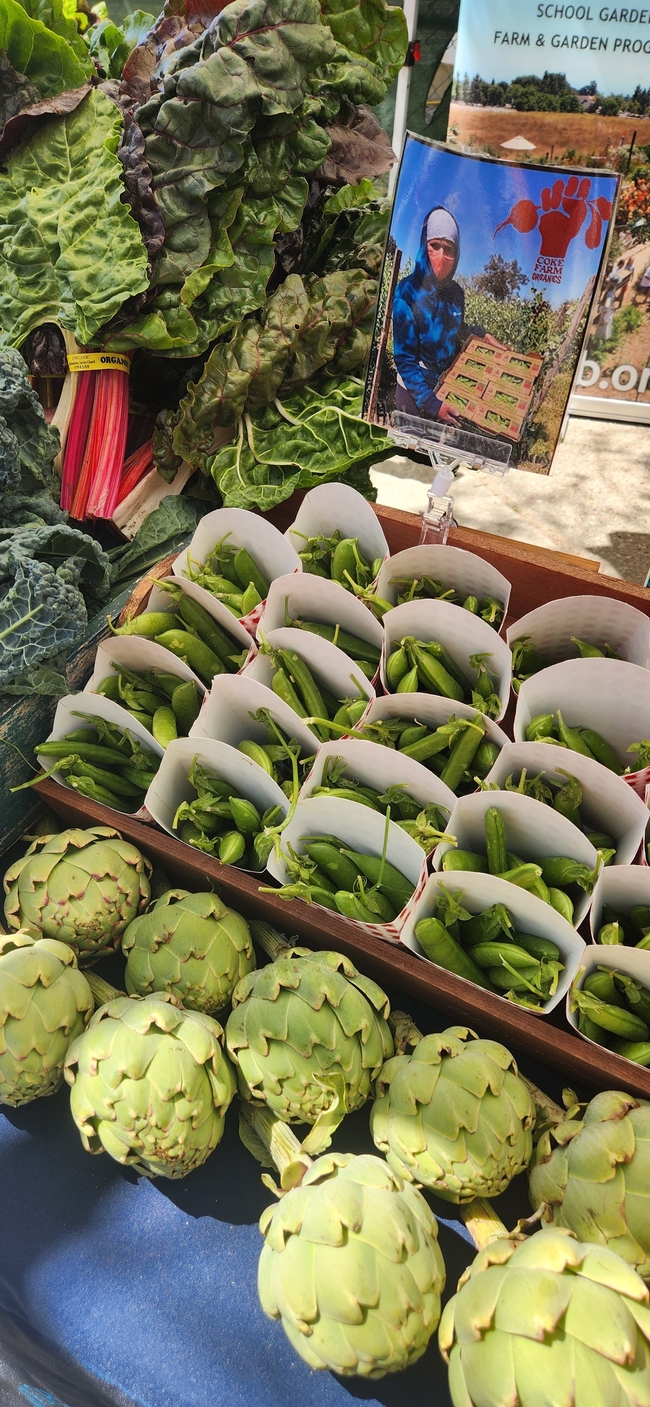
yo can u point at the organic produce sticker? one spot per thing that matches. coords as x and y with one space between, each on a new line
489 278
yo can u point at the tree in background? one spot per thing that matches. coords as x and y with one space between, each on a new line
500 278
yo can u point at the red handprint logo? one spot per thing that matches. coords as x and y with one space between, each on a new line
560 217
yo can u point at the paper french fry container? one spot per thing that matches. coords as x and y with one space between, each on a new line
630 961
533 831
337 507
67 719
160 600
227 714
332 669
598 620
462 635
313 598
468 574
529 915
608 804
270 551
137 654
380 767
620 887
610 696
363 831
171 785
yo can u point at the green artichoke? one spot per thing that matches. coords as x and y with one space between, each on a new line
191 945
81 887
593 1176
309 1037
44 1003
548 1322
352 1267
150 1084
454 1115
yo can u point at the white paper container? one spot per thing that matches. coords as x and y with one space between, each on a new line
226 714
380 767
596 619
162 601
171 785
621 888
99 707
610 696
337 506
628 960
529 914
325 602
533 831
272 553
363 830
608 804
329 665
429 709
468 574
138 654
461 633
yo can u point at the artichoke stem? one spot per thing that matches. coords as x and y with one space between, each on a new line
268 938
482 1222
405 1032
548 1112
281 1143
102 991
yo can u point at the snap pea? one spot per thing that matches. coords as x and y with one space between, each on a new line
109 688
490 954
408 684
640 917
601 984
350 906
438 652
541 948
412 734
335 865
485 758
495 841
487 925
221 644
250 599
439 946
541 726
385 876
434 677
186 705
92 752
113 781
193 652
150 624
248 571
601 750
303 680
471 604
517 980
462 754
638 1051
453 860
610 934
282 686
257 754
612 1018
558 870
523 875
397 665
232 848
245 815
350 644
561 903
164 727
92 790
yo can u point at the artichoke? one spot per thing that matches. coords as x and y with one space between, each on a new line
150 1084
80 887
309 1036
454 1114
191 945
352 1267
44 1004
592 1175
548 1322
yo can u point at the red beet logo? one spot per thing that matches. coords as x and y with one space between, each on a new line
560 217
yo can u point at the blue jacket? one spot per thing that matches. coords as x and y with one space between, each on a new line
428 327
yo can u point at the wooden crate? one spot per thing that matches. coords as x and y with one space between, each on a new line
537 575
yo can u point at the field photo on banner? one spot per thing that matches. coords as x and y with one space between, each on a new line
569 84
487 287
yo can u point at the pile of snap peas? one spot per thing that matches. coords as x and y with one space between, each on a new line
232 575
422 588
339 558
163 703
425 824
294 683
275 756
102 762
362 887
415 665
487 949
365 655
632 928
565 798
549 878
192 635
221 822
526 660
614 1010
457 751
551 728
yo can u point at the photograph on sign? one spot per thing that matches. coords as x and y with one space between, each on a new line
570 85
487 286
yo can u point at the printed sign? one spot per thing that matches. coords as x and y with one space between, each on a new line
487 286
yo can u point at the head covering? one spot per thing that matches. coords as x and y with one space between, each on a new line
441 225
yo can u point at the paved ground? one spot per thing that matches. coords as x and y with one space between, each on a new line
595 502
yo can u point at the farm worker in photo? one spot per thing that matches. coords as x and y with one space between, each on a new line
429 326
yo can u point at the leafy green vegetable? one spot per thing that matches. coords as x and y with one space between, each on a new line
42 616
166 530
311 437
75 555
111 44
70 250
46 58
27 447
59 16
370 28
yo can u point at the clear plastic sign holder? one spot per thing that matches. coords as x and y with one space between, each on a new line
448 449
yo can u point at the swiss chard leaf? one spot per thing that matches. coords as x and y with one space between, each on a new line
46 58
55 15
372 29
70 250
